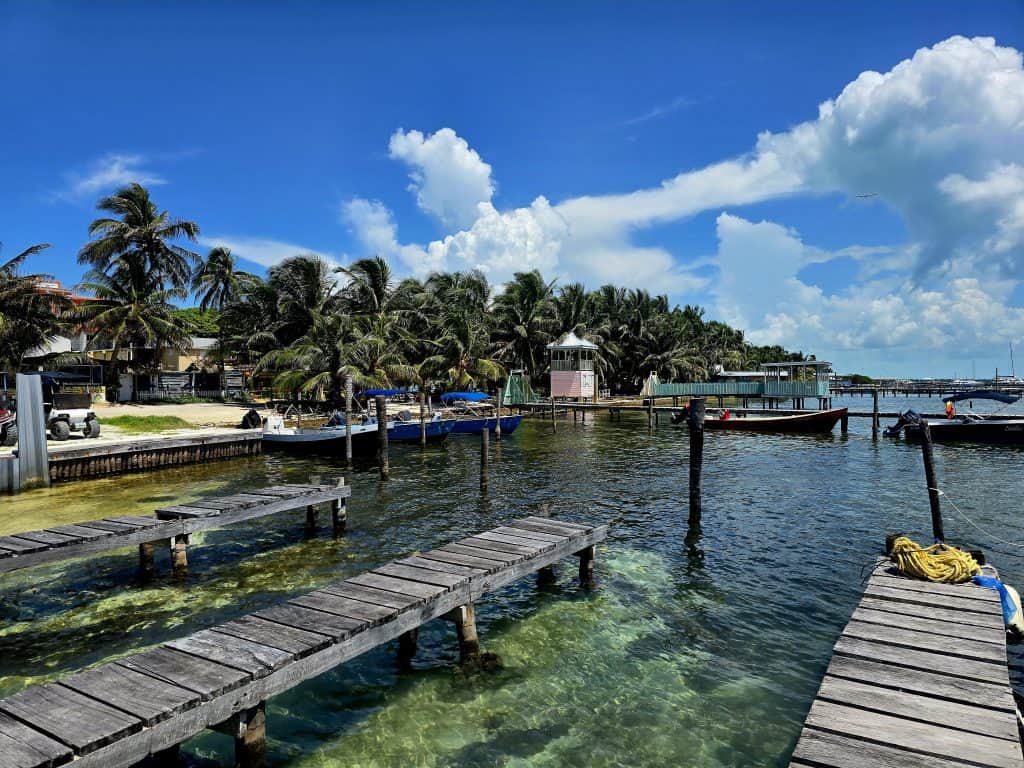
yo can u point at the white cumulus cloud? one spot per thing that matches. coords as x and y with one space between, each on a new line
107 174
262 251
449 178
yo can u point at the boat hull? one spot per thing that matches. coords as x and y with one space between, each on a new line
409 431
474 426
819 422
326 442
989 431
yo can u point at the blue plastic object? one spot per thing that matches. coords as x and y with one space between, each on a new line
1009 609
471 397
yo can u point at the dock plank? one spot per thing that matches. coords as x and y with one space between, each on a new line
504 558
161 697
487 565
80 532
918 677
67 716
143 696
24 747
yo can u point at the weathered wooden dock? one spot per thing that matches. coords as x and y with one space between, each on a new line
169 524
119 713
92 459
918 678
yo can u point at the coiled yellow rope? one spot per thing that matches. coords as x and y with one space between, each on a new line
938 562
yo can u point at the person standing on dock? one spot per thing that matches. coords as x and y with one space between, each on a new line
950 409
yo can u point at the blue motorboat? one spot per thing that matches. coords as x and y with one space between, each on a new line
473 414
474 425
437 429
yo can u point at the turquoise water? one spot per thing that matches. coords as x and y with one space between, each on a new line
704 652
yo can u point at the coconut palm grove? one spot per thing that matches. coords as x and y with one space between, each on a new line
307 325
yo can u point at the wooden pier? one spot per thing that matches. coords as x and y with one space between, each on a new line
103 459
918 678
172 525
120 713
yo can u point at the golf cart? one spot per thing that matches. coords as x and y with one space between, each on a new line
67 412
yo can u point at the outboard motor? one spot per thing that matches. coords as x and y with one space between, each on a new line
909 418
251 420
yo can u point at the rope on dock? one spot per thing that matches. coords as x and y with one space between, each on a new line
939 563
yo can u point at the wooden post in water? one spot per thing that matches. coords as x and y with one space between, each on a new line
695 421
464 618
497 419
146 565
382 438
339 511
423 418
310 519
874 413
348 421
407 642
484 456
845 423
586 557
552 413
179 554
251 737
650 413
933 483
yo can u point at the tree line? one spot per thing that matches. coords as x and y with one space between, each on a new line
307 326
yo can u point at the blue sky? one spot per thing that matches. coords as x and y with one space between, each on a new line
596 141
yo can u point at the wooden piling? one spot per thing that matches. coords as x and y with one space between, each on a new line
147 567
497 420
875 422
552 414
587 565
933 483
179 554
484 457
407 642
348 421
650 413
695 421
546 576
382 438
844 423
339 512
310 519
464 618
423 418
251 737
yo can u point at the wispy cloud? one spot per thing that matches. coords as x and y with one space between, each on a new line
662 109
259 250
107 174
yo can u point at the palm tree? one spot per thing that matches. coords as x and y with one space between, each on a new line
218 285
28 319
525 320
306 290
140 240
461 353
132 310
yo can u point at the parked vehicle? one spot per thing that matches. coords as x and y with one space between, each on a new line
8 425
67 412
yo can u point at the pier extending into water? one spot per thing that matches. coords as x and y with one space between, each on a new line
170 525
117 714
917 678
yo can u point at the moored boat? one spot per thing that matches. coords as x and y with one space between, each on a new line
990 429
817 422
328 439
474 425
437 429
473 413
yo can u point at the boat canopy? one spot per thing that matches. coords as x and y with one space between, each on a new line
385 392
982 394
471 397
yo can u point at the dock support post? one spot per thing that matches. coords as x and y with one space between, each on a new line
586 557
339 511
546 576
382 438
179 554
845 423
250 734
696 425
310 520
407 642
484 456
464 618
497 418
146 565
348 421
933 484
874 413
423 418
552 414
167 758
650 413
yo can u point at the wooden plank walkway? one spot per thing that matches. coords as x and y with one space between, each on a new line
119 713
173 524
918 678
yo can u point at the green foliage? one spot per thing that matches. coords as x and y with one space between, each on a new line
200 322
859 378
28 319
142 424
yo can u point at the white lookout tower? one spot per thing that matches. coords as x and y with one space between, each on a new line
572 367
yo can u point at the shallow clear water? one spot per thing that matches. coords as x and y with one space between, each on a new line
700 654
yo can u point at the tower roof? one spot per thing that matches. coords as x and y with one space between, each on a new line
572 341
